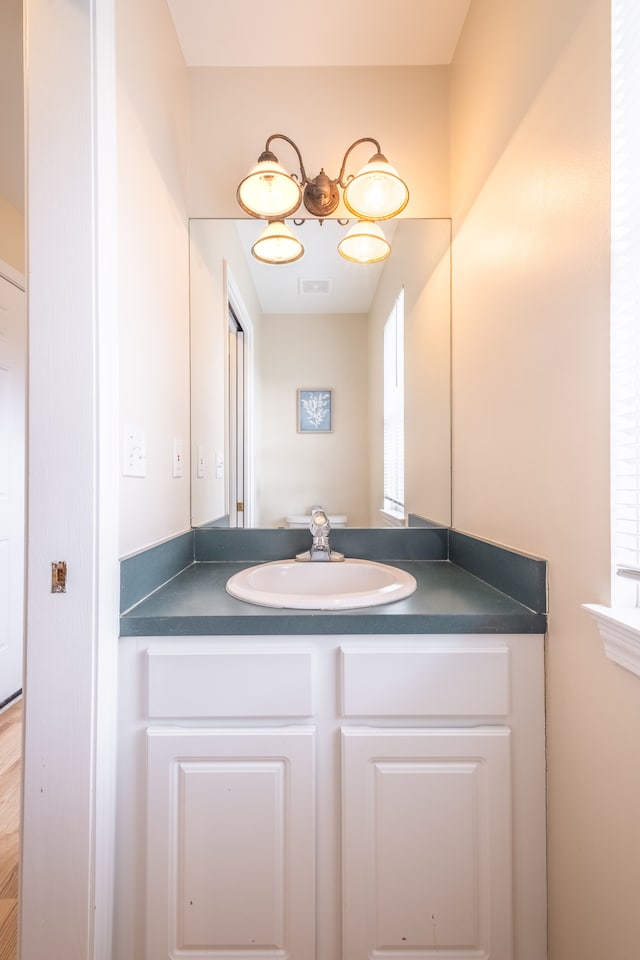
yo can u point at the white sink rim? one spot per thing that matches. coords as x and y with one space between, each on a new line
315 585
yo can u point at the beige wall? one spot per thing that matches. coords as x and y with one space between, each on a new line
234 110
295 470
530 149
153 267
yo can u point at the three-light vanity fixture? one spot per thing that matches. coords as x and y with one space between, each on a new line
269 193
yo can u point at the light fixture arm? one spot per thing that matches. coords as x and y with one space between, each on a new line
356 143
321 196
271 156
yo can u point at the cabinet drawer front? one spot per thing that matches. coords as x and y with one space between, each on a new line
230 684
432 682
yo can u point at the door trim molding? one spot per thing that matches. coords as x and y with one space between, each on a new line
72 638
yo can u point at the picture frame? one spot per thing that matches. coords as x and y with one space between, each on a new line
315 410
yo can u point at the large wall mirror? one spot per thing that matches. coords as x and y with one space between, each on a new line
288 377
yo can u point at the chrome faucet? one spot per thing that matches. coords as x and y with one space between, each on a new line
320 549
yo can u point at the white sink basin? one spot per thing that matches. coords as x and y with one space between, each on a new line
321 585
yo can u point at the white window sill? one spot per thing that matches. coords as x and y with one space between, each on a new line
393 519
620 632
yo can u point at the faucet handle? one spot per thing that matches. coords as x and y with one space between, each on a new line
319 525
320 549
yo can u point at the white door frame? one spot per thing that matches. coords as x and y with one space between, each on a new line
71 650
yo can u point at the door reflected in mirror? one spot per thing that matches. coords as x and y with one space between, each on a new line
297 417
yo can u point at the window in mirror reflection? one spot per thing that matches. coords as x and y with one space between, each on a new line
393 347
236 426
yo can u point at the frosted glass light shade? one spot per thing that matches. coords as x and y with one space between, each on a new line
364 243
376 192
269 192
277 244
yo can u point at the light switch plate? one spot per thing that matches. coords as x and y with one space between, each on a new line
201 470
178 464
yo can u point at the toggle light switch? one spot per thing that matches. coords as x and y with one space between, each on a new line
201 471
178 464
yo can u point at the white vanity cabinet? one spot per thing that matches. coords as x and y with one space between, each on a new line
332 798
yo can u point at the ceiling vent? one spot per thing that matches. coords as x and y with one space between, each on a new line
314 286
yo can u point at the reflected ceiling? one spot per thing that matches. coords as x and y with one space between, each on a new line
322 281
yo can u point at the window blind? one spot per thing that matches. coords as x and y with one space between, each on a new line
625 301
393 346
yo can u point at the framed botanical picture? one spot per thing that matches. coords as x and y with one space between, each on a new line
315 411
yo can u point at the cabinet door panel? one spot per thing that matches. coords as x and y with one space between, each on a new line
426 849
230 843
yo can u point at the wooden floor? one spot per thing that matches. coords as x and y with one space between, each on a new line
10 773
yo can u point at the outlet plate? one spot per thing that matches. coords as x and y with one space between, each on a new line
134 453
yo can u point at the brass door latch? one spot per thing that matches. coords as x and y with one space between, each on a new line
59 576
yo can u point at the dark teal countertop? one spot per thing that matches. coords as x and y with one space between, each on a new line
448 599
